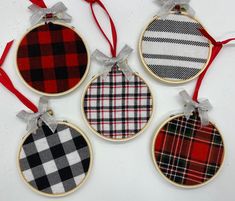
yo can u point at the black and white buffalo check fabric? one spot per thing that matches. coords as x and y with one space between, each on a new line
174 49
54 163
117 108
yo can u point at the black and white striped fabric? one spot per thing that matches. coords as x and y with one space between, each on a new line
55 163
174 49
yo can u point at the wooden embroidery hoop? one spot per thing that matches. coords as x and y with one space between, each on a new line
164 176
80 184
61 93
164 80
107 138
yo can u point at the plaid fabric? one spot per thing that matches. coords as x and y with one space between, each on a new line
187 153
54 163
52 58
174 49
117 108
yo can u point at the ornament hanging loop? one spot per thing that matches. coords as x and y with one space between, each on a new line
113 43
91 1
7 83
217 47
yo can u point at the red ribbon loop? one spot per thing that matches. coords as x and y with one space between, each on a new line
5 52
39 3
217 47
113 44
6 81
91 1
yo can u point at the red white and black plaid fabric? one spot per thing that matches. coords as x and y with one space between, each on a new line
187 153
117 108
52 58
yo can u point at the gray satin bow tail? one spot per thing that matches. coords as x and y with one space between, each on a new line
110 62
34 120
202 107
168 5
57 11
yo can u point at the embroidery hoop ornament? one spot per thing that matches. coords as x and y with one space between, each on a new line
42 118
76 57
168 73
191 109
159 169
126 71
83 180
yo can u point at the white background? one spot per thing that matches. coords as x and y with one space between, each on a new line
123 171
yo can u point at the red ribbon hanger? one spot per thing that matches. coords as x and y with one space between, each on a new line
113 44
6 81
217 47
39 3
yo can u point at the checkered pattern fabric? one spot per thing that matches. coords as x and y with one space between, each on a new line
187 153
54 163
117 108
52 58
174 49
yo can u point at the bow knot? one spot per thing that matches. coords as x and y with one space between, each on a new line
202 107
56 12
42 116
120 61
169 5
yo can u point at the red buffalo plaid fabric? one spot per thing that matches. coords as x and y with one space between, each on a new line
52 58
117 108
187 153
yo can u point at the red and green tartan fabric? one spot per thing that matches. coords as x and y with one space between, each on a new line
52 58
186 153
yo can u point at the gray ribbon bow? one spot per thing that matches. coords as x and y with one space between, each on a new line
57 11
120 61
202 107
169 5
35 119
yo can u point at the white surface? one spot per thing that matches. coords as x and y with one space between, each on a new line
123 171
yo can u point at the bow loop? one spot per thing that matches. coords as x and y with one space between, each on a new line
202 106
120 61
42 116
56 12
168 5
